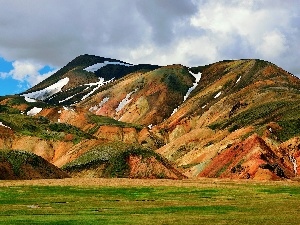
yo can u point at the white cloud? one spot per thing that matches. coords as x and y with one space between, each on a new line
27 72
3 75
189 32
273 45
24 70
252 29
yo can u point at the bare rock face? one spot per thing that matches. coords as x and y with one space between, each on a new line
151 168
250 159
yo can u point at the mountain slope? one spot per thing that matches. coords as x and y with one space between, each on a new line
230 119
21 165
242 98
80 78
138 97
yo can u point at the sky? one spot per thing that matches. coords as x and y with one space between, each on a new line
37 37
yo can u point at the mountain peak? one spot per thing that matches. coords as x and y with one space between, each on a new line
229 119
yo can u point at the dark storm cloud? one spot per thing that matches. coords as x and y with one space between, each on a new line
163 16
56 31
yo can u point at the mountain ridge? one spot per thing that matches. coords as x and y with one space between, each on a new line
192 117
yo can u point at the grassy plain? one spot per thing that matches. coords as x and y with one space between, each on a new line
125 201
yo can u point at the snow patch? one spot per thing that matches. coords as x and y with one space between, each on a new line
198 77
34 111
174 111
68 98
238 80
217 95
150 126
99 106
103 102
68 109
48 91
98 66
29 99
125 101
1 124
203 106
98 84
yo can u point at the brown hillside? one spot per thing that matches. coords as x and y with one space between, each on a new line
20 165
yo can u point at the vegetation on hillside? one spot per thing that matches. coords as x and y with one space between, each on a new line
42 127
18 164
113 156
104 120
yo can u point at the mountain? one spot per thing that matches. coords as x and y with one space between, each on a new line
80 78
234 119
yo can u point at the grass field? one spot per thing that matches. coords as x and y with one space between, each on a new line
124 201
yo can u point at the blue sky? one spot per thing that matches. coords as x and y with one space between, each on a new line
8 84
37 40
16 78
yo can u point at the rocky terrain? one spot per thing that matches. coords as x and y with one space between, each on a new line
99 117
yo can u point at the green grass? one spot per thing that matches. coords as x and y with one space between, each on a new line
104 120
223 203
41 127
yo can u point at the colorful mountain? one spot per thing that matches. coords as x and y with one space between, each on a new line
102 117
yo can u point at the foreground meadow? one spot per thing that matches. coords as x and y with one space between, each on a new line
125 201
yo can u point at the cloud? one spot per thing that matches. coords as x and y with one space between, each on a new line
273 44
26 72
190 32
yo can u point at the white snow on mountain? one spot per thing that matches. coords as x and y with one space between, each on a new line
68 109
217 95
1 124
238 80
198 77
174 111
29 99
68 98
97 107
34 111
98 66
98 84
48 91
125 101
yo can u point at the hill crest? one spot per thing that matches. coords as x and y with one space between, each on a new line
191 116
